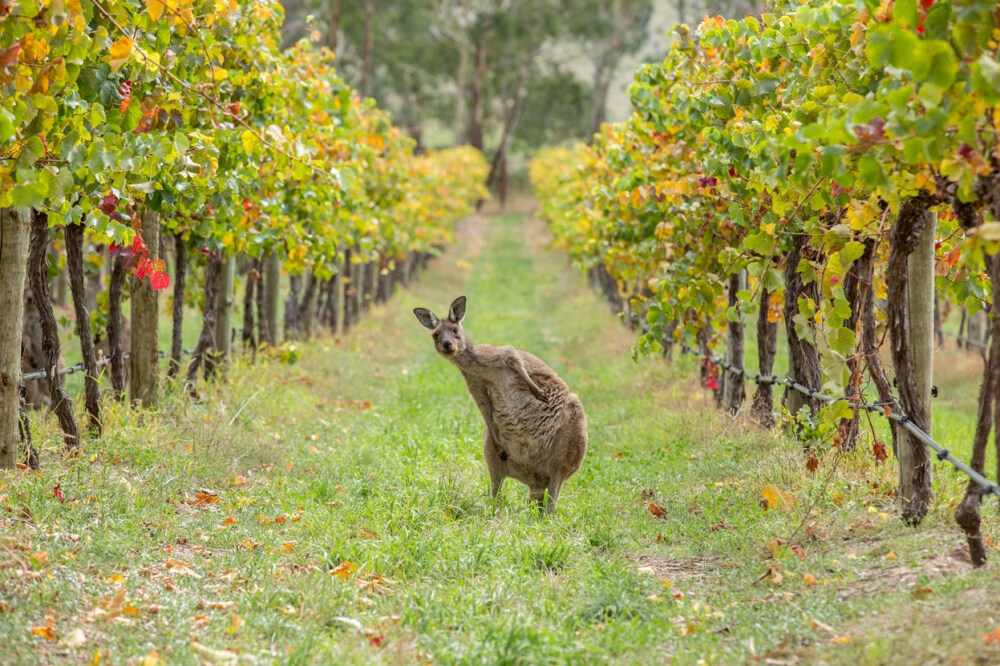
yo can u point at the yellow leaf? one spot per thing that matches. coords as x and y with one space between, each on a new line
44 632
840 640
809 579
121 49
155 9
219 74
777 499
344 570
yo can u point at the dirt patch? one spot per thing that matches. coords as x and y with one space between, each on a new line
698 569
902 576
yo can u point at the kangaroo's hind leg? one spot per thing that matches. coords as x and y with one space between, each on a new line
495 463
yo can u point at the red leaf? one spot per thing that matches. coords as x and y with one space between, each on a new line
881 455
712 383
159 281
138 246
9 58
143 269
58 493
656 509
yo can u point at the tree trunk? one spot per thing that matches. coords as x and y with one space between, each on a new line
461 82
249 339
144 376
309 304
204 351
967 513
368 54
909 299
224 313
116 344
334 25
180 282
272 282
73 236
263 333
735 390
477 92
24 431
14 231
511 117
293 328
762 410
865 269
338 309
38 275
802 356
849 428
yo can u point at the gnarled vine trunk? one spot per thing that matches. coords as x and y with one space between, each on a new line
61 403
180 283
735 391
865 269
73 234
762 408
802 355
116 344
204 351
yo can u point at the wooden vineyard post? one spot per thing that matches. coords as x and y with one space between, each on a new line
13 259
224 316
143 369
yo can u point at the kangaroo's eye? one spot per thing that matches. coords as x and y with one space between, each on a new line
455 331
436 335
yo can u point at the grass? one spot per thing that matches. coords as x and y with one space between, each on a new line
337 511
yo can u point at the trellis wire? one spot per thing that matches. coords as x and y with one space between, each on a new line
69 370
944 454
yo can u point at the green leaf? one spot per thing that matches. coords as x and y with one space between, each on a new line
905 12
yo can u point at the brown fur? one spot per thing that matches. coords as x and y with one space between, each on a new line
535 429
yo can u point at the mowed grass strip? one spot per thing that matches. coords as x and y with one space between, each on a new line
337 511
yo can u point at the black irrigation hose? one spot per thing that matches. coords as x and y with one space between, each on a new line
69 370
988 486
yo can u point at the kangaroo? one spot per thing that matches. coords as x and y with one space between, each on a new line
536 431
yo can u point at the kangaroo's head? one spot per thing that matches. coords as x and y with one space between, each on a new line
449 336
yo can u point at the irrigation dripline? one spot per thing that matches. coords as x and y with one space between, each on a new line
988 486
69 370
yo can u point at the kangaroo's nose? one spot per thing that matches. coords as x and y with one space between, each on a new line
448 346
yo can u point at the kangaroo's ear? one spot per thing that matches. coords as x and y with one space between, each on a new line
426 317
456 312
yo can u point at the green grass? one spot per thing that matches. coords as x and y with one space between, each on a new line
368 452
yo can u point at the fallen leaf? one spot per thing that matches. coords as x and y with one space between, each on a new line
176 566
821 625
656 509
239 481
812 464
993 637
809 579
840 640
213 656
776 499
344 570
200 620
114 608
44 631
890 556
